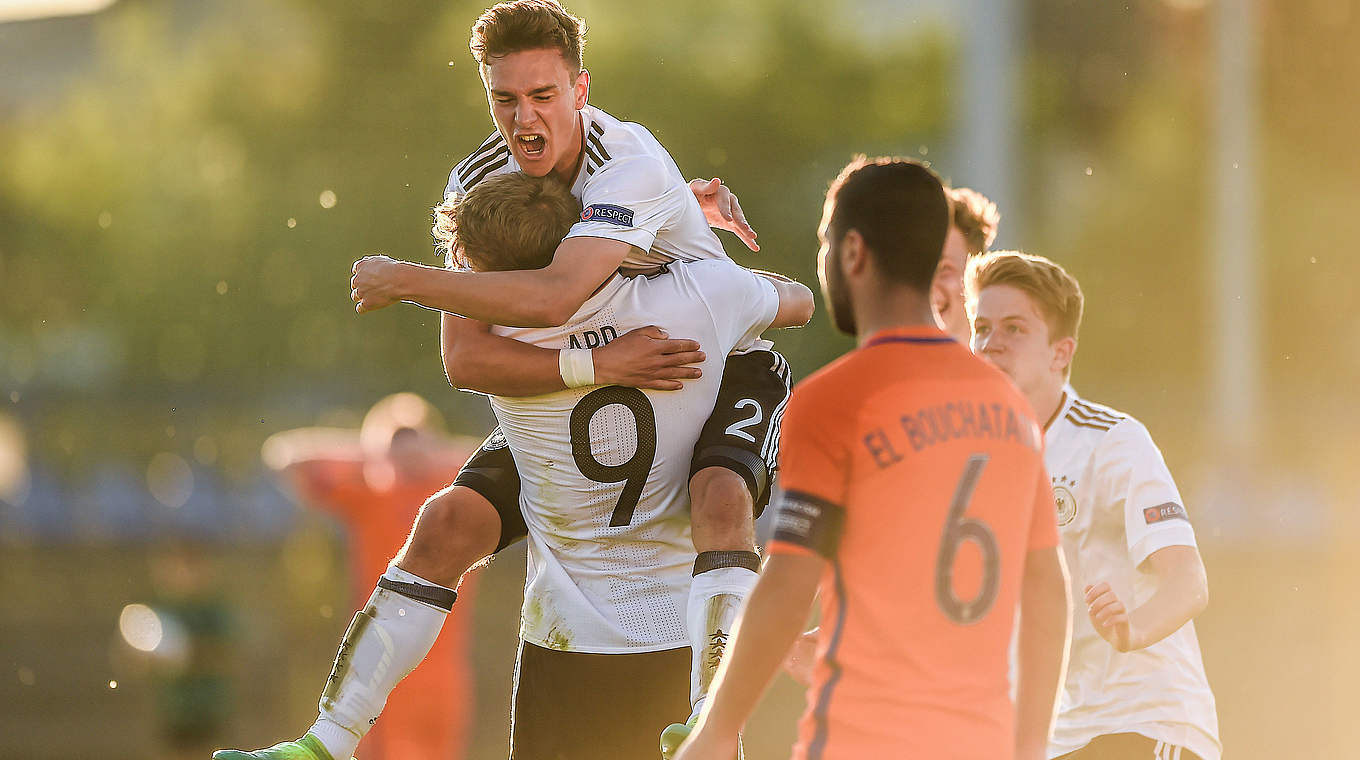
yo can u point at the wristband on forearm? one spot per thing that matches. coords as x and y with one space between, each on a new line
576 366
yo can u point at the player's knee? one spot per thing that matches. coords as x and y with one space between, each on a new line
456 528
721 510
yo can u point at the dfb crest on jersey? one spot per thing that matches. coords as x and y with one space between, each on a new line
1064 500
495 441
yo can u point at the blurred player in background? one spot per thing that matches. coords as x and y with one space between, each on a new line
374 482
915 496
1135 686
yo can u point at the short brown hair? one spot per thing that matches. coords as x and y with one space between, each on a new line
507 221
508 28
1055 292
975 216
898 207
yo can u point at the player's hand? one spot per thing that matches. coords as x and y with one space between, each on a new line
1110 617
704 744
802 656
722 210
374 284
647 358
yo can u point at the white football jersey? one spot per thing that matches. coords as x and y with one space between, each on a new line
1117 504
604 471
629 187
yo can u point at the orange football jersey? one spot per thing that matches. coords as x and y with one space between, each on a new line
916 469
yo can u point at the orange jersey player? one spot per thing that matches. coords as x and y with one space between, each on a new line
915 498
374 483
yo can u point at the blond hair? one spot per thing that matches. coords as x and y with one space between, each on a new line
505 222
1055 292
975 216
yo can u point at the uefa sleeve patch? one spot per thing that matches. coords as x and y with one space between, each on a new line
607 212
1168 511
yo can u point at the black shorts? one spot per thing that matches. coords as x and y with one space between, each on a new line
1129 747
491 472
577 706
742 435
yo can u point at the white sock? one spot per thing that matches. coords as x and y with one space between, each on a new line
716 597
387 640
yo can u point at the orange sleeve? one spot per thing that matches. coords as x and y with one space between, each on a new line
332 485
814 469
1043 525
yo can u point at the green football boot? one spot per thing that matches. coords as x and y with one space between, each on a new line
674 735
306 748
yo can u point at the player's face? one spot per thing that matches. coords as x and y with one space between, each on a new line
946 291
1010 332
535 96
834 292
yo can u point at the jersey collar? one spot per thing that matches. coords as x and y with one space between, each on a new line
915 334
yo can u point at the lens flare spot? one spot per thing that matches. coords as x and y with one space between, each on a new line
141 628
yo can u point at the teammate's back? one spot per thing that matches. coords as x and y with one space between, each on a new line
604 469
936 462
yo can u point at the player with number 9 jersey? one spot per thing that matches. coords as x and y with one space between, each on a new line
916 470
604 470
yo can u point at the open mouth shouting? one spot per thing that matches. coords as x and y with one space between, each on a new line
531 146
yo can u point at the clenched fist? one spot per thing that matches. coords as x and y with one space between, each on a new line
375 283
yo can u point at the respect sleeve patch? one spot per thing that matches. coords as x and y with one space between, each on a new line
810 522
607 212
1168 511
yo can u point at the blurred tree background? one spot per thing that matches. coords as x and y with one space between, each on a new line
180 203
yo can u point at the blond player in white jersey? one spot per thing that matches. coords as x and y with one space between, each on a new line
604 472
1135 685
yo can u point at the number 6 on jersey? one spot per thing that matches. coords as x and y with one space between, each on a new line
958 529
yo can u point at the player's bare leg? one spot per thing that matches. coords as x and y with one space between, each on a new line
722 524
455 529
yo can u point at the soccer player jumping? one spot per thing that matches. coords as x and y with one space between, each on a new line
638 214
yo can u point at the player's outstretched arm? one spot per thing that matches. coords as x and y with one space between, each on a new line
477 360
1182 593
772 619
544 297
1045 629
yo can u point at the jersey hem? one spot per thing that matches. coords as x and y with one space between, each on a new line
633 649
1186 735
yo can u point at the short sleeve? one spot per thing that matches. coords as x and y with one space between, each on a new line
631 199
1134 479
814 472
741 302
1043 523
